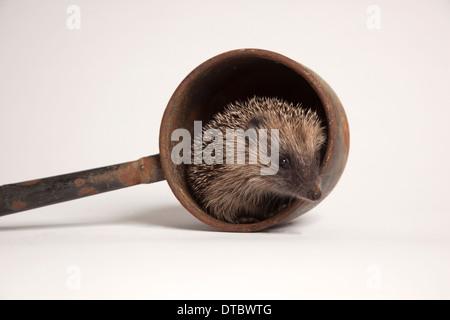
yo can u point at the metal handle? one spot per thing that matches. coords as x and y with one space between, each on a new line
43 192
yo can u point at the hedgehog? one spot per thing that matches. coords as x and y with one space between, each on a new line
239 193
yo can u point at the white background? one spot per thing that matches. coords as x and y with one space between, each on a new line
79 99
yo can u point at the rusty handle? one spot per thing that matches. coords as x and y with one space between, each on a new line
43 192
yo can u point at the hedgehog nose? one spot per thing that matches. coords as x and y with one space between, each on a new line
314 194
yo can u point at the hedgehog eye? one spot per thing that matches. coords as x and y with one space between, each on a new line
284 162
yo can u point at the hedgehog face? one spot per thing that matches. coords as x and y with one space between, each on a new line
299 177
300 140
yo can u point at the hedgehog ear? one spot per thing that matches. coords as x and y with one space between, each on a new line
256 122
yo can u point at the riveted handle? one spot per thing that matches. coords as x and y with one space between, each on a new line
43 192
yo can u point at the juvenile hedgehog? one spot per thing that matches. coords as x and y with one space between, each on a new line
238 193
